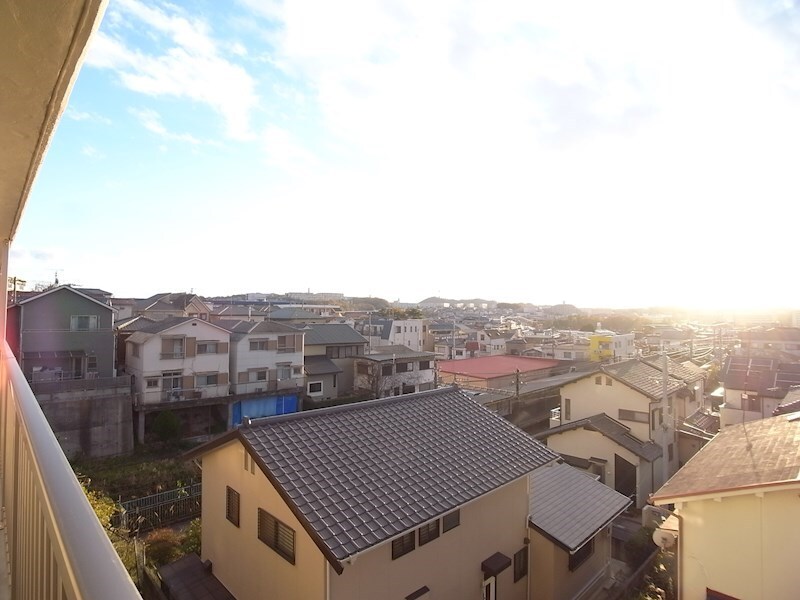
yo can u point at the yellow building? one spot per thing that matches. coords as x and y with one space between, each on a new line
738 513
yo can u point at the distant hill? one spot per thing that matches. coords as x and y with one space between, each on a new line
451 301
563 310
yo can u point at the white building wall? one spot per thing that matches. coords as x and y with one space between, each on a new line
254 362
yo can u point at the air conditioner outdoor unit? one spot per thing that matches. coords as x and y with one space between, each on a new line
259 390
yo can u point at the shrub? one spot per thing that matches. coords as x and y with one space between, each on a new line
163 546
192 537
167 426
639 547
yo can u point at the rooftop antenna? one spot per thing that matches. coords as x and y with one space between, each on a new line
56 283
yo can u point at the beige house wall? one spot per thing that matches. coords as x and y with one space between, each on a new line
451 564
246 566
583 443
742 546
551 577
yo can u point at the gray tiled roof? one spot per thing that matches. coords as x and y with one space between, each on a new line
320 365
750 455
287 314
361 474
613 430
397 352
569 506
332 334
242 328
644 377
676 369
159 326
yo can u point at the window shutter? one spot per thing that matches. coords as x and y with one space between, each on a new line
222 348
222 378
298 342
272 344
188 382
191 346
244 377
166 346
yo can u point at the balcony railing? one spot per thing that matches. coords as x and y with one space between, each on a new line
56 546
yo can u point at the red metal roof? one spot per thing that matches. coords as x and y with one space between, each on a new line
488 367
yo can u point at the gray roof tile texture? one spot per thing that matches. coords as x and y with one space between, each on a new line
570 506
643 376
332 334
363 473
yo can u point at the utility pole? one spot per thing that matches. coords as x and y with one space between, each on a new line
516 385
664 405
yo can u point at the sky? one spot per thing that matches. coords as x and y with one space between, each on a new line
615 154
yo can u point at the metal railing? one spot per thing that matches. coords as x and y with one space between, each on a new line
171 506
57 548
71 385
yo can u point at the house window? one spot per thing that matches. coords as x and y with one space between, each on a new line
567 354
408 388
276 534
83 322
206 379
173 348
451 520
397 329
135 349
260 375
429 532
315 387
362 369
258 345
567 409
232 505
386 370
332 352
598 380
520 563
207 347
297 370
284 371
402 545
580 556
424 365
91 363
632 415
286 343
609 381
671 452
152 382
405 367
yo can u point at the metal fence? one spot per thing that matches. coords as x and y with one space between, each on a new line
164 508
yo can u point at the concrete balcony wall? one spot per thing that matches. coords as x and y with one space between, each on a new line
56 546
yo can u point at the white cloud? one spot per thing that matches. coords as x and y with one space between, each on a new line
77 115
92 152
151 120
191 67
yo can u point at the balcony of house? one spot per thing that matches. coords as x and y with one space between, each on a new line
555 417
56 547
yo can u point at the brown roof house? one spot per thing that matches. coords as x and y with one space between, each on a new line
616 423
737 513
410 497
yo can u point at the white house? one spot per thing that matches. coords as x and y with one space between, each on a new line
265 356
395 370
178 362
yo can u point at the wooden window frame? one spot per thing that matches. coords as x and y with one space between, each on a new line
277 535
233 504
403 545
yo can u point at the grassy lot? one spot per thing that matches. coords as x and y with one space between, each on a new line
150 469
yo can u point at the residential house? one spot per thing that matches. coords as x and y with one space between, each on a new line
571 514
754 387
785 340
607 346
340 344
445 350
181 364
737 514
123 329
239 312
395 370
296 316
411 333
62 334
609 450
497 371
162 306
266 368
418 496
618 415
